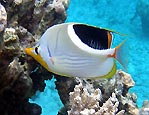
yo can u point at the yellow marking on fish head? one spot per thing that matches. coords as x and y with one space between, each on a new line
37 57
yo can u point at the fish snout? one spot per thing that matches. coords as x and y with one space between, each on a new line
28 50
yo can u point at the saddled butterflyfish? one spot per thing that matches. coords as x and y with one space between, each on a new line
78 50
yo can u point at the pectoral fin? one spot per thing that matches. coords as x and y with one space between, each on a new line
52 60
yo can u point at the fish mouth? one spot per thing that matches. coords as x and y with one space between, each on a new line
28 51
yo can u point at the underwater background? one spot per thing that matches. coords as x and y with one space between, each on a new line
125 16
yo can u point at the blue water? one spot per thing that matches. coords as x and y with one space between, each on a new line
49 99
121 16
118 15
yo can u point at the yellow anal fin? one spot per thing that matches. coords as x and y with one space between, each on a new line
109 75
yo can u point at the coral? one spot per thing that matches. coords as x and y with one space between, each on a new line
14 75
59 6
145 108
64 85
83 102
110 107
3 18
105 96
22 22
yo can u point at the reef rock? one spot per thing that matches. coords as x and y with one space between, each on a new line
22 22
3 18
84 102
99 97
145 108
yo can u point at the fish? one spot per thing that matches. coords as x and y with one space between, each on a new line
78 50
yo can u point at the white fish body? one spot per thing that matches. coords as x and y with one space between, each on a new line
65 54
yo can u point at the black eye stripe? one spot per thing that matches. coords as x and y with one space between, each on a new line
36 50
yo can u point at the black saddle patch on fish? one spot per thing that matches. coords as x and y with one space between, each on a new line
96 38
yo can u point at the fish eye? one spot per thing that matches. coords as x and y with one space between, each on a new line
36 50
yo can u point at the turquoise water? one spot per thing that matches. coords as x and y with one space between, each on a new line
120 16
49 99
